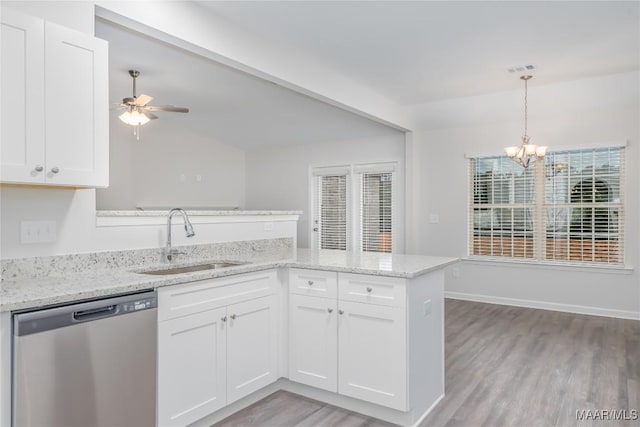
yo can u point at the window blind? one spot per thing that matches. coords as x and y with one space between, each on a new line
502 217
566 207
331 212
376 212
583 200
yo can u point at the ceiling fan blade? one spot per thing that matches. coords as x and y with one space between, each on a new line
117 106
149 115
142 100
169 108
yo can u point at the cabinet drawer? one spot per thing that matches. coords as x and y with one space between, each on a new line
390 291
313 282
194 297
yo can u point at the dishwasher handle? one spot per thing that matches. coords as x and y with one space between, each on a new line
31 322
95 313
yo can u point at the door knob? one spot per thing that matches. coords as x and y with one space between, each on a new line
39 168
55 169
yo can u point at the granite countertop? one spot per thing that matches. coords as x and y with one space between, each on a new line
18 294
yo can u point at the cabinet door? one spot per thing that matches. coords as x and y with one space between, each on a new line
22 98
252 346
77 106
313 341
372 354
191 367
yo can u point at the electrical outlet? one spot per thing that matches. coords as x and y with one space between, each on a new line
37 231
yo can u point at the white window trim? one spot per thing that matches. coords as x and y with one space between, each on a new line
353 169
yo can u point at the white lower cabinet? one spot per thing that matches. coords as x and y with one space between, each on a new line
191 367
213 357
252 346
372 354
313 343
356 349
356 335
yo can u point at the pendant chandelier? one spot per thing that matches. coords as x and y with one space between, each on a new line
525 152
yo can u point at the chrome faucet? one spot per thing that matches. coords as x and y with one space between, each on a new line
188 228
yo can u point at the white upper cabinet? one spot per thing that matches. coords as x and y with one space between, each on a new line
77 108
55 106
22 96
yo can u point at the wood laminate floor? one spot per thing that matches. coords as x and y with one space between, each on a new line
505 366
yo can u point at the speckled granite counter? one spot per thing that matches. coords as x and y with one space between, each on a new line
56 288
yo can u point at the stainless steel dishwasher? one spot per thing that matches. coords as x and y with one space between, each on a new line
87 364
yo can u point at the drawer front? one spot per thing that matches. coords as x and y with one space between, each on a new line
313 283
390 291
194 297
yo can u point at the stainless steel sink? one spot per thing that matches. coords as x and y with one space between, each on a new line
193 268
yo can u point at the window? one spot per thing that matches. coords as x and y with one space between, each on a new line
567 207
363 222
331 215
375 212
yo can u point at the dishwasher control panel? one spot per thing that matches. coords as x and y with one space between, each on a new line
142 304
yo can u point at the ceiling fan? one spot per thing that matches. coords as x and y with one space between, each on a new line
138 111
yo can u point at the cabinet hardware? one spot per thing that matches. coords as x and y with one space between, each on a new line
341 312
224 319
39 168
55 169
310 282
233 317
315 229
369 290
330 310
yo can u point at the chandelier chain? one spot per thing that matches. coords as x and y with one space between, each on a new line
525 107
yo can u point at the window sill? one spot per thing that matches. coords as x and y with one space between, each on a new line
611 269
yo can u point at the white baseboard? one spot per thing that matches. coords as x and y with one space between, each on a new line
543 305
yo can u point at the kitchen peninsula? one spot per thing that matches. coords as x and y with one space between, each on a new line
363 331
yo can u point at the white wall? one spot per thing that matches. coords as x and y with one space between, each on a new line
75 215
443 189
162 169
279 177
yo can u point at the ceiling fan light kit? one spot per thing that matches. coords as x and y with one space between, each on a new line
134 118
138 112
524 153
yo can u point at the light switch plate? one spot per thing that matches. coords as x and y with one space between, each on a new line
38 231
427 307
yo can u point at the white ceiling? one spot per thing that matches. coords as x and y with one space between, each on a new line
225 104
423 51
409 52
